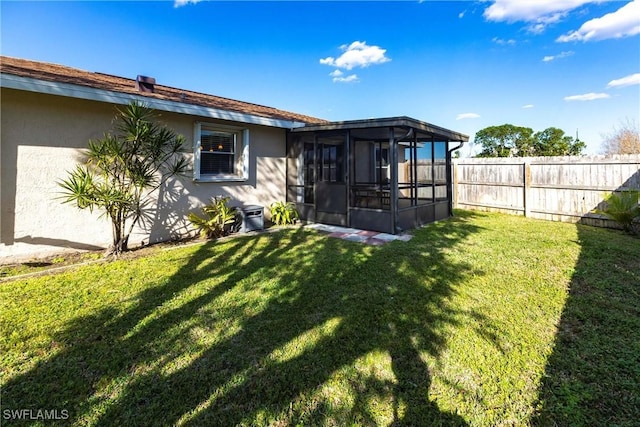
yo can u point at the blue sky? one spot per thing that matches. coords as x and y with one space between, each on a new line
466 65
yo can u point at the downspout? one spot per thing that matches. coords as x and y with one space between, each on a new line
394 178
450 175
456 148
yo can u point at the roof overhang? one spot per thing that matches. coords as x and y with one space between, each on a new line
30 84
378 129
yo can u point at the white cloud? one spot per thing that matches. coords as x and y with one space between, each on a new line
353 78
357 54
537 28
558 56
587 97
180 3
624 22
337 77
503 42
538 13
531 10
329 60
633 79
464 116
527 106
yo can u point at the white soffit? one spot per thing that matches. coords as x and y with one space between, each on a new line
11 81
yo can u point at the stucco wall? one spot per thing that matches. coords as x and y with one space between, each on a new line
42 137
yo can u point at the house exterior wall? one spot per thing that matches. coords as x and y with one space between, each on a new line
42 137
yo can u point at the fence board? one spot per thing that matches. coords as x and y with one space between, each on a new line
551 188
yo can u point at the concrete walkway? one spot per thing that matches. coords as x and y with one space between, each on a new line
361 236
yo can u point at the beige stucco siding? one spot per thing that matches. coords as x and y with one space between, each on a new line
42 137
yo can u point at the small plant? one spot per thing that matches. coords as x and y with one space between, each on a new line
219 218
624 209
284 213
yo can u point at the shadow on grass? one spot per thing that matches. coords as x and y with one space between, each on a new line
593 374
294 355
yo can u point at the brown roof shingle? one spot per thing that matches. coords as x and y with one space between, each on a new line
63 74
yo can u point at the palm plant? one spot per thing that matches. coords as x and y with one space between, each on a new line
123 169
623 208
217 219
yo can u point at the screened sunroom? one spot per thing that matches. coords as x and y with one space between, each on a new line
386 175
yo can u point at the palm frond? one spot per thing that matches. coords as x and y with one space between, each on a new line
623 207
79 188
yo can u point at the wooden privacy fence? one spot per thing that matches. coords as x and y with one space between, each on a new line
551 188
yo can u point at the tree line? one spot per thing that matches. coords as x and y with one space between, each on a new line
518 141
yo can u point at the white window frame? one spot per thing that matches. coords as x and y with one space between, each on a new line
241 161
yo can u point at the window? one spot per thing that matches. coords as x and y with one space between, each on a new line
330 163
217 152
221 153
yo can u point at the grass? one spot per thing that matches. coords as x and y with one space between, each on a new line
41 265
483 320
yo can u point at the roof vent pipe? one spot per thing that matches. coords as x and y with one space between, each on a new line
145 84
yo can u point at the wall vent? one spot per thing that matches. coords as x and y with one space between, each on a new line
145 84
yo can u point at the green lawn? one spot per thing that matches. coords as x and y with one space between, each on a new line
482 320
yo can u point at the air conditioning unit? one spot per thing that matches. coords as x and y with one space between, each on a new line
251 218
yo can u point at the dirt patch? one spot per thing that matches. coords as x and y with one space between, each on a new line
59 261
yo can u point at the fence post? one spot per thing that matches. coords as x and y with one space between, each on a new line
526 187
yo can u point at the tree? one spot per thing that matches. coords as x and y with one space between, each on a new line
624 139
553 142
504 141
123 169
516 141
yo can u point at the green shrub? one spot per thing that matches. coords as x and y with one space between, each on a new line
218 218
623 208
284 213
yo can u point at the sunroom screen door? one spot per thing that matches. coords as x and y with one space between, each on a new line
331 188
